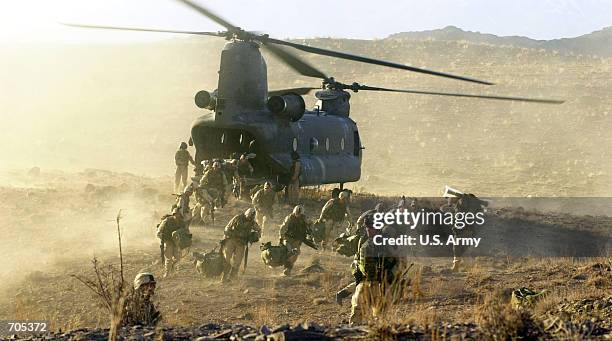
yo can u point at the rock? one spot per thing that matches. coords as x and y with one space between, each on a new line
319 301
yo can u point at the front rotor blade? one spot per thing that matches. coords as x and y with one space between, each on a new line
348 56
216 34
502 98
295 62
298 91
210 15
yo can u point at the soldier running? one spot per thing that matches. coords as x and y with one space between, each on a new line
263 201
214 182
239 233
375 271
139 308
169 250
182 158
333 214
293 232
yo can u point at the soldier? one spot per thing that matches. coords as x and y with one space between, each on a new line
333 214
263 200
214 182
293 232
244 169
182 158
292 190
239 233
361 231
462 203
139 308
170 251
374 272
379 208
182 204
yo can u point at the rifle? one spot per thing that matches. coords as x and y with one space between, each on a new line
246 257
309 242
162 247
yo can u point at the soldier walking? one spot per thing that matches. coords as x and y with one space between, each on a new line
292 194
238 234
333 214
263 200
182 158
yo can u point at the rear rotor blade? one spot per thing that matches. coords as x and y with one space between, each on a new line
367 60
295 62
210 15
298 91
215 34
502 98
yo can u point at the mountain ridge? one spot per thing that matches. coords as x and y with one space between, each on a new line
595 43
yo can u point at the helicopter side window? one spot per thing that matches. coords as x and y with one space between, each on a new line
314 144
295 144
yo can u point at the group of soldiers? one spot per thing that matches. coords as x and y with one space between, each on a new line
379 271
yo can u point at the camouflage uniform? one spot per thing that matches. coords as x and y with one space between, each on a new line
182 158
374 273
263 201
214 179
292 232
138 308
168 225
238 233
293 189
243 170
333 214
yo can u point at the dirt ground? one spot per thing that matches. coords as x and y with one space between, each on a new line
56 222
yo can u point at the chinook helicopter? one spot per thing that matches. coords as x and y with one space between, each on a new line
244 117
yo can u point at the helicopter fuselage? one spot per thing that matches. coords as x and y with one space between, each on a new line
329 145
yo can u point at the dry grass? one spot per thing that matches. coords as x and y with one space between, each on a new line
500 321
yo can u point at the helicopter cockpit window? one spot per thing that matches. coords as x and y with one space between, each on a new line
327 143
295 144
342 143
314 144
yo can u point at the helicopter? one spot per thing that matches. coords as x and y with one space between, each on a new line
243 117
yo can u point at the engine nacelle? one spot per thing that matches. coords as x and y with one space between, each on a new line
291 106
206 100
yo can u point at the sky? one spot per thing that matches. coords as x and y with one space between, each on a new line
37 20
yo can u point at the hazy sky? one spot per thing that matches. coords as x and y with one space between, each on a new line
36 20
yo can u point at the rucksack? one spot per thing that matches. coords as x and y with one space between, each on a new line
182 238
346 244
274 255
209 264
318 231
